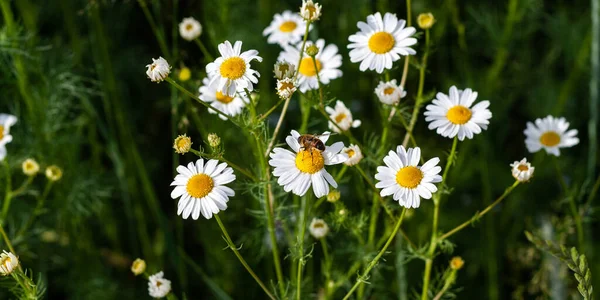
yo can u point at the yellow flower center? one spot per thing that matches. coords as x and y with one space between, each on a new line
286 85
307 67
233 68
318 225
311 10
188 27
1 132
158 284
409 177
223 98
381 42
389 91
288 26
309 161
550 138
350 153
459 115
522 168
340 117
199 185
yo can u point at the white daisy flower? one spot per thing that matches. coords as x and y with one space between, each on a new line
158 287
380 42
8 263
6 121
231 71
354 155
190 29
310 11
230 105
286 28
327 60
342 117
285 88
453 115
202 188
284 69
318 228
158 70
405 180
522 170
300 169
30 167
550 133
389 92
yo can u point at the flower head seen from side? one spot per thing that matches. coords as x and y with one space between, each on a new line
54 173
390 92
6 121
158 70
426 20
522 170
354 155
342 116
380 42
138 266
310 11
201 188
158 286
285 88
182 144
286 28
284 69
30 167
318 228
8 263
230 105
452 114
550 134
231 72
403 178
328 62
297 171
190 29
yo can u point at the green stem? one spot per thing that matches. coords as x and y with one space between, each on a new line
362 278
419 101
572 204
318 82
159 35
205 51
7 195
271 110
240 258
38 209
6 239
223 159
301 261
23 186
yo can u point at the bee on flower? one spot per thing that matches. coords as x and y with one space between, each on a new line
158 286
286 28
389 92
6 121
158 70
229 105
190 29
522 170
231 72
342 117
550 134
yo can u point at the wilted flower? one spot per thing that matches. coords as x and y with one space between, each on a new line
158 286
522 170
214 140
312 50
182 144
138 266
425 20
30 167
354 154
310 11
158 70
53 173
285 88
318 228
190 29
8 263
284 69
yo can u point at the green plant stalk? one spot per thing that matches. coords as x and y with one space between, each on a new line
241 259
502 52
205 51
223 159
318 81
38 209
362 278
406 60
436 211
447 284
271 110
301 262
572 204
7 240
158 33
7 194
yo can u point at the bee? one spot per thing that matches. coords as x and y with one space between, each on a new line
309 142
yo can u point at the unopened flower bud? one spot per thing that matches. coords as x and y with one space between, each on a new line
182 144
214 140
333 196
456 263
30 167
312 50
8 263
138 266
425 20
53 173
185 74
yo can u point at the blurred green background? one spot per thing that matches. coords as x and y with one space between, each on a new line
73 72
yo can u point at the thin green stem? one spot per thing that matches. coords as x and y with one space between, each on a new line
406 60
572 204
158 33
223 159
362 278
241 259
419 100
38 208
301 261
205 51
8 194
318 81
6 239
23 186
271 110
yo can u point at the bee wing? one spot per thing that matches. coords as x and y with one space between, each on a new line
325 136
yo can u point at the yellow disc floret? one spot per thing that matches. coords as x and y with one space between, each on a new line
1 132
459 115
233 68
522 168
288 26
389 91
340 117
409 177
310 161
550 138
223 98
199 185
381 42
307 66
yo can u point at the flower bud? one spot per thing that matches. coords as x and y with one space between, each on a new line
30 167
182 144
185 74
138 266
214 141
312 50
456 263
333 196
425 20
53 173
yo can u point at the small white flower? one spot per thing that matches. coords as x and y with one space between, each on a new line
6 121
30 167
138 266
298 170
230 105
380 42
190 29
551 134
522 170
354 155
54 173
285 88
286 28
158 70
405 180
8 263
318 228
202 188
389 92
310 11
158 287
453 115
231 71
284 69
342 116
327 60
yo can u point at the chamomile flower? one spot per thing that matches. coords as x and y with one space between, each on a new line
229 105
342 116
299 170
8 263
285 88
158 70
389 92
6 121
354 155
231 72
380 42
54 173
190 29
403 178
286 28
310 11
318 228
452 114
550 134
284 69
158 287
30 167
201 188
327 61
138 266
522 170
